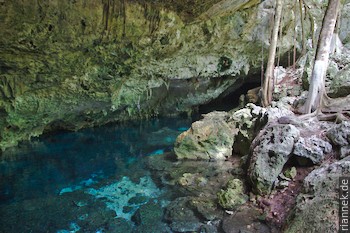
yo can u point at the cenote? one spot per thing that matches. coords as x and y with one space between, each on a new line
93 180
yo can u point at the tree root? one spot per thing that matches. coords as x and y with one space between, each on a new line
337 110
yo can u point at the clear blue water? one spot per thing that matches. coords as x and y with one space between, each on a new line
83 181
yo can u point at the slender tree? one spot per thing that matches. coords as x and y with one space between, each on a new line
317 83
268 81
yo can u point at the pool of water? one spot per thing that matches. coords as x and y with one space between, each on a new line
93 180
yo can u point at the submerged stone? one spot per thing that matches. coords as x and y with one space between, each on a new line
181 216
117 195
148 218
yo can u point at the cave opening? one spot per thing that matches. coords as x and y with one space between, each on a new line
230 98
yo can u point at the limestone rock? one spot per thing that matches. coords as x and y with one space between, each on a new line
270 151
337 81
207 139
340 134
312 148
205 208
181 217
344 151
339 86
245 122
317 206
148 218
245 220
233 195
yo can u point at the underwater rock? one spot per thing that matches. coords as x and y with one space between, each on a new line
181 216
148 218
233 195
312 148
120 225
206 208
271 149
125 193
317 207
163 137
245 220
207 139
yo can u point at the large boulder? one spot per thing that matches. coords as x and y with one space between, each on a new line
207 139
271 149
219 134
317 207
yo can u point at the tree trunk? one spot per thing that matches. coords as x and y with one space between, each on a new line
268 81
316 89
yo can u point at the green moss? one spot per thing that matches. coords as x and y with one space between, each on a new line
233 196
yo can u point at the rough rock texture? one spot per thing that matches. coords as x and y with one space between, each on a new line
337 81
340 134
340 137
312 148
207 139
148 219
181 216
219 134
245 220
270 151
233 195
317 206
245 122
339 84
74 64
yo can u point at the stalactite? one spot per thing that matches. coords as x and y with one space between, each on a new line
123 11
152 15
105 16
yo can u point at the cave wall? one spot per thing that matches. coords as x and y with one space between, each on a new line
77 63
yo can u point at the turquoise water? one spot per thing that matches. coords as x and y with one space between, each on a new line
93 180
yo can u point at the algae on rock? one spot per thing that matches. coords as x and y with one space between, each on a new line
233 196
